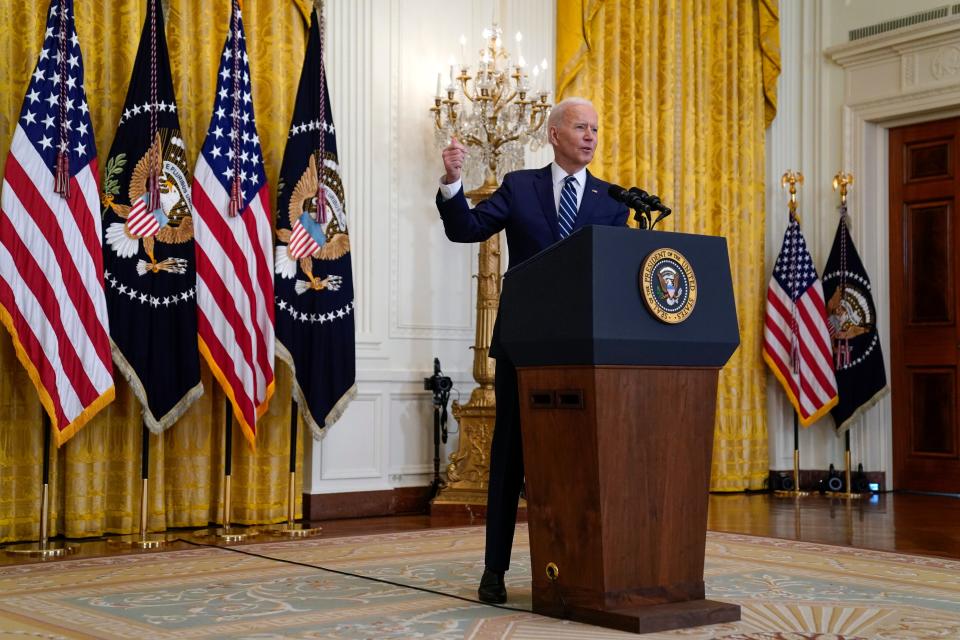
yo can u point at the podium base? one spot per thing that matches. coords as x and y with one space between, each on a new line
649 619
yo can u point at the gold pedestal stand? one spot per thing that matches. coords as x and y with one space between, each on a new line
508 116
469 470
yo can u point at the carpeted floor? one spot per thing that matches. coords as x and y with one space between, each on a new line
787 590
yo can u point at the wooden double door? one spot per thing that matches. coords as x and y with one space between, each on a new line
924 305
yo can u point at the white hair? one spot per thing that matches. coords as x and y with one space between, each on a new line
559 109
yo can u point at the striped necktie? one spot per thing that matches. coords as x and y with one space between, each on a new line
567 215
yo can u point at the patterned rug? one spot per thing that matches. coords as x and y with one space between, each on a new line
787 590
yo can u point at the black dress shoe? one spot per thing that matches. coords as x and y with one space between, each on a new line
492 589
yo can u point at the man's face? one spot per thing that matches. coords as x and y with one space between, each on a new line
574 140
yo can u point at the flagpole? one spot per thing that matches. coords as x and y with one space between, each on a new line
793 179
843 181
144 540
847 474
292 528
795 492
44 548
227 533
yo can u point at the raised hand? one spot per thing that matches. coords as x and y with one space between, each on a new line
453 156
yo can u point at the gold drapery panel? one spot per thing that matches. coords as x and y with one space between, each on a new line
768 20
682 88
95 477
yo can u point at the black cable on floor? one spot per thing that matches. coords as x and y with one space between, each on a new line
352 575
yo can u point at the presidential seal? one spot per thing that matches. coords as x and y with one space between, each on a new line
668 285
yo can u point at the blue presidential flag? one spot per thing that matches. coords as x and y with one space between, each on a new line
313 284
148 250
852 320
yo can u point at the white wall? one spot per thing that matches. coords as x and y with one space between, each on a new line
808 135
415 295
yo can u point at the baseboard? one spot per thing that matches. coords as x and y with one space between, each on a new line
810 478
392 502
366 504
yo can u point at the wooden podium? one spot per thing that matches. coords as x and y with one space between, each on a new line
617 414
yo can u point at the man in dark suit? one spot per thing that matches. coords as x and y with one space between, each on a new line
536 207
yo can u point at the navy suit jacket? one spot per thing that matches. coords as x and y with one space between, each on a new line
523 206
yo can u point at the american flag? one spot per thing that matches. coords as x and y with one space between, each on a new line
796 341
51 267
234 242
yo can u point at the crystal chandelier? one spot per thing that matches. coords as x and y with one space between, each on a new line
496 112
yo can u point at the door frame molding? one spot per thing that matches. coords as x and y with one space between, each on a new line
901 77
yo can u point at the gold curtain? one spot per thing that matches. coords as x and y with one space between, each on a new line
684 90
95 477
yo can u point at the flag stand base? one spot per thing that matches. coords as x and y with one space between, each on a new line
41 549
294 530
143 541
291 528
791 494
795 492
227 534
846 496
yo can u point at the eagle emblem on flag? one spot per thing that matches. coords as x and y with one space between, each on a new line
318 227
172 223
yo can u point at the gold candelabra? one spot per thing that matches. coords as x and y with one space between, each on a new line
506 112
497 113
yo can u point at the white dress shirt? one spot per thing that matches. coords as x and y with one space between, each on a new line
559 175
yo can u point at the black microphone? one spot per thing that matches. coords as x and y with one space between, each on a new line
653 202
629 198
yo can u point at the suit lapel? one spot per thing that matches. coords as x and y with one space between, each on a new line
589 203
544 186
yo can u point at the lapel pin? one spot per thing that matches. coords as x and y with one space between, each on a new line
593 190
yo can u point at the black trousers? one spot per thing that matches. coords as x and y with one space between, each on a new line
506 469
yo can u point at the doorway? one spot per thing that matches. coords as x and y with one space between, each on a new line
924 306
